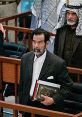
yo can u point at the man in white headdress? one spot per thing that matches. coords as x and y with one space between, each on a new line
68 40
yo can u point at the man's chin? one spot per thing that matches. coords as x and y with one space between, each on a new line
71 23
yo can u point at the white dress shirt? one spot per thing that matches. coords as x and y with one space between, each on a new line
37 66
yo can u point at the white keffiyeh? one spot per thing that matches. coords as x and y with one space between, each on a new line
75 6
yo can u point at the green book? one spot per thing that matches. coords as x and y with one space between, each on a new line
45 88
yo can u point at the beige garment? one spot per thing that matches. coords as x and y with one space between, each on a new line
6 10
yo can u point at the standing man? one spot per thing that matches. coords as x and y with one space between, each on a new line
68 40
41 64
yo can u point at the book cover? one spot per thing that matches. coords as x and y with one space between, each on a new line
45 88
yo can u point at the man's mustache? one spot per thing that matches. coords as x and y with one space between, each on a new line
70 20
36 50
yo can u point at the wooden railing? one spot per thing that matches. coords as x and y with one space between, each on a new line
10 73
35 110
16 31
6 20
15 27
14 18
77 72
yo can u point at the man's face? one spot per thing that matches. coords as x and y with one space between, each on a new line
39 44
71 17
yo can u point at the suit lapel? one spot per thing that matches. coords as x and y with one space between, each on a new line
30 65
45 66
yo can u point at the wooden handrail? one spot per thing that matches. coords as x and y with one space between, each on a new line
20 29
18 61
14 28
15 61
74 70
6 19
10 73
15 18
77 71
10 60
35 110
17 29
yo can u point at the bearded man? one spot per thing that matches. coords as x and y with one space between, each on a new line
68 40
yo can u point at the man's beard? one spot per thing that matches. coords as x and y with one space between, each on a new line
38 52
71 23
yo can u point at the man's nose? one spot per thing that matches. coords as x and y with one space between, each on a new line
70 16
36 44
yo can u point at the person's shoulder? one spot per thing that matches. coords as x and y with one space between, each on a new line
27 55
62 28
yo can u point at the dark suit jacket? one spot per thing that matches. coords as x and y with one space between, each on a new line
76 57
1 42
53 66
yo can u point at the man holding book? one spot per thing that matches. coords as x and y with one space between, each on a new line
42 65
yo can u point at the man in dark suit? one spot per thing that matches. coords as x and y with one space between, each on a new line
68 40
41 64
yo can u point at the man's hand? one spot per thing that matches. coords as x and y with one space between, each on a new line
20 114
2 29
47 100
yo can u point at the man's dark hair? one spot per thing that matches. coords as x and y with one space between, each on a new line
40 31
